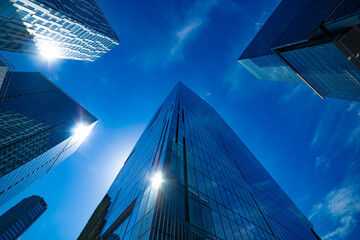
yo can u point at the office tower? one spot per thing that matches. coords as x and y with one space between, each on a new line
190 177
315 42
6 70
40 126
3 71
73 29
19 218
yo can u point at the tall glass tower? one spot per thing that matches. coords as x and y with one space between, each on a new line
315 42
40 126
19 218
73 29
190 177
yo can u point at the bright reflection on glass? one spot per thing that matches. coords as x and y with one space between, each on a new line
81 131
157 180
48 51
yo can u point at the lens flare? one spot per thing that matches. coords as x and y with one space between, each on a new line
157 180
81 131
48 51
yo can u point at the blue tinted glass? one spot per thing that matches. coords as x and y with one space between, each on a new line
37 121
212 188
17 219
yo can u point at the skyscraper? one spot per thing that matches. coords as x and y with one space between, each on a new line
315 42
40 126
19 218
6 69
190 177
73 29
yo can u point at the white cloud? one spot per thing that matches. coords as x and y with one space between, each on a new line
182 35
338 213
354 136
346 116
341 206
185 27
316 210
194 18
347 226
352 105
344 201
315 139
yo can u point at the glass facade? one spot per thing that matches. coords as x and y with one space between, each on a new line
19 218
73 29
292 22
6 69
190 177
3 70
37 121
328 70
346 9
270 67
316 43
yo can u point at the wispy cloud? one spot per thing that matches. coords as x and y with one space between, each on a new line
347 224
194 18
183 35
352 105
187 25
349 136
341 206
339 210
354 137
295 91
322 162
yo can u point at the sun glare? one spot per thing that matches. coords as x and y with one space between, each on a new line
81 131
157 180
48 51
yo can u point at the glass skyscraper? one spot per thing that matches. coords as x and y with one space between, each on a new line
3 71
40 126
73 29
19 218
190 177
6 70
315 42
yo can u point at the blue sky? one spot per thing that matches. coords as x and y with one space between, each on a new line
310 146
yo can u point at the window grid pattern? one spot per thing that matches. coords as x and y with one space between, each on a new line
229 194
76 29
270 67
134 180
328 70
26 137
346 9
285 28
15 221
37 122
213 188
325 69
3 70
